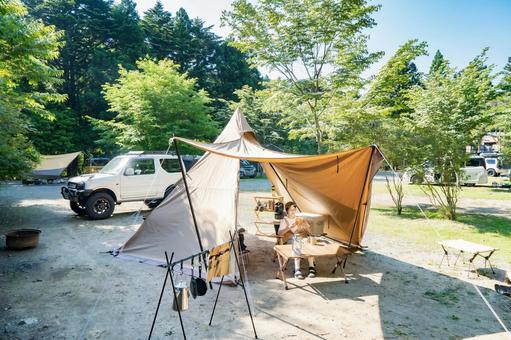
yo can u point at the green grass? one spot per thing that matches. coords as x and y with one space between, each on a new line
412 227
466 192
446 296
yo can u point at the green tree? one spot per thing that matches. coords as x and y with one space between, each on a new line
502 107
438 64
152 104
27 83
451 111
157 25
98 35
219 69
323 39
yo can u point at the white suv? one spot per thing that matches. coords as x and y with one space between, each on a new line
136 176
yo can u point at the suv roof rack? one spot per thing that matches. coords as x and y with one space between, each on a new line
150 153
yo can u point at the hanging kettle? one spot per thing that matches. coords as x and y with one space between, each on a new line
182 294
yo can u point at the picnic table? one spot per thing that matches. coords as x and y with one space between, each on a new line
466 247
320 249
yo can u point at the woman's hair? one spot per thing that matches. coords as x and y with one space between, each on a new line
289 205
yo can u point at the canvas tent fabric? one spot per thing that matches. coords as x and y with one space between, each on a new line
52 166
336 185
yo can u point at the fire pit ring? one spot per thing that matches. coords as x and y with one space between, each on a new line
19 239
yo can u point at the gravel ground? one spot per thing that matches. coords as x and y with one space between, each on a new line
69 287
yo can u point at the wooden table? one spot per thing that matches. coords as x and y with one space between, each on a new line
320 249
469 248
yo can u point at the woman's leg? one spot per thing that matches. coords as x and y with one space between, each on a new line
298 273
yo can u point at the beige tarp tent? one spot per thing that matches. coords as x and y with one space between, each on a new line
52 166
337 185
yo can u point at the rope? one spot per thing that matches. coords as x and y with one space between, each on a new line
491 309
407 192
438 234
93 309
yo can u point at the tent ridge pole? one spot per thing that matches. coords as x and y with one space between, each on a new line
188 194
362 194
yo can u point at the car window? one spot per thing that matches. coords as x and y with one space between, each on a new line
475 162
142 166
114 166
170 165
491 161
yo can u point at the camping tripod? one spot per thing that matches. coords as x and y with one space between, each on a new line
168 273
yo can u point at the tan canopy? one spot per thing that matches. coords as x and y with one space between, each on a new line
52 166
337 185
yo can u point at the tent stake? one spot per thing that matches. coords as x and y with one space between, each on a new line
216 300
243 283
362 194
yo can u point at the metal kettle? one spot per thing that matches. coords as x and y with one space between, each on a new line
182 295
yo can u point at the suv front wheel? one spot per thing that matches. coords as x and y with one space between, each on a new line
100 206
492 172
77 208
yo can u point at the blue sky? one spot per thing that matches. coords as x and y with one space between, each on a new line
459 29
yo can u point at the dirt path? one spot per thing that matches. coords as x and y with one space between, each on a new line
68 287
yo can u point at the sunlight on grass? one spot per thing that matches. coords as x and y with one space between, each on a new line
466 192
411 226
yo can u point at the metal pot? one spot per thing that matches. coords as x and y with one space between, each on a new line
22 238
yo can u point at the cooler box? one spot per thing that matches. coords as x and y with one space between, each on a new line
316 221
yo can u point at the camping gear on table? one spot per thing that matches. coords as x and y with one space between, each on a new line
316 221
19 239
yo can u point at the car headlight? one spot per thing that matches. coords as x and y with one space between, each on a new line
80 186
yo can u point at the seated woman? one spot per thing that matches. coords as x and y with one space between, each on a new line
291 225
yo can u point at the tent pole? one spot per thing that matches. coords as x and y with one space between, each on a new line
188 194
362 195
284 185
161 295
243 283
216 300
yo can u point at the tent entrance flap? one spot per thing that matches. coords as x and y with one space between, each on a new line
337 185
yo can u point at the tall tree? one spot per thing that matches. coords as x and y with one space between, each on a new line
98 36
396 77
153 103
157 25
438 64
27 83
378 117
323 39
450 111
